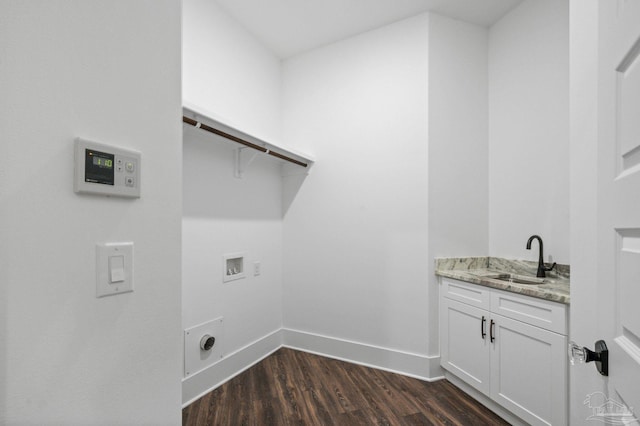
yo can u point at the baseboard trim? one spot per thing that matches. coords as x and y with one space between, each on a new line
408 364
198 385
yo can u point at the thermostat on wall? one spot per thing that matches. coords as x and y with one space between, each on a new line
105 169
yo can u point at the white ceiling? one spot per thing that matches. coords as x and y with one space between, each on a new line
289 27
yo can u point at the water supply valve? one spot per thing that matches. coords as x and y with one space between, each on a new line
581 355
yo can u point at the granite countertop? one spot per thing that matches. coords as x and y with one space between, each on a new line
476 270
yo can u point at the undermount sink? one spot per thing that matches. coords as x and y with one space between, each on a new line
514 278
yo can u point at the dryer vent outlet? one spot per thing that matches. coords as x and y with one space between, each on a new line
207 342
203 346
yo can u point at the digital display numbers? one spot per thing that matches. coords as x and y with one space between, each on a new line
98 167
102 162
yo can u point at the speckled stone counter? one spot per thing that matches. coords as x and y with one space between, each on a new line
475 270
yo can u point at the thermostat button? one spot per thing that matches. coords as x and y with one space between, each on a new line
129 166
128 181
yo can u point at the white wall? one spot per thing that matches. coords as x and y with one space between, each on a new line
397 118
529 131
458 146
223 215
109 72
230 74
355 241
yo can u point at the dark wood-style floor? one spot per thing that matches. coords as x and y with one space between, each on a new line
297 388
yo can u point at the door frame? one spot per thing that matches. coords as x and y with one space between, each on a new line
583 106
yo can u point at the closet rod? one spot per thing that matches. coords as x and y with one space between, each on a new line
213 130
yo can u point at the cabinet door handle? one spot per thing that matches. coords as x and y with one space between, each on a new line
482 332
491 336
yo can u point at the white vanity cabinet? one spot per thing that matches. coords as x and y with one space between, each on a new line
509 347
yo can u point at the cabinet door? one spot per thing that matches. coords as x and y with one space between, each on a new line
529 371
465 352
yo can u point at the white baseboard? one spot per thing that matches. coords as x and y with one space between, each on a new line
231 365
408 364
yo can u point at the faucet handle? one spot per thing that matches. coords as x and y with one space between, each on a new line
549 268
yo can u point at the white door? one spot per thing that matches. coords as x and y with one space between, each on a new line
619 201
605 207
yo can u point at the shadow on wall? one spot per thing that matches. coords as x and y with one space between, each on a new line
211 190
292 181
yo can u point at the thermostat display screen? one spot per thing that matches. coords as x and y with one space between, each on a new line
98 167
104 163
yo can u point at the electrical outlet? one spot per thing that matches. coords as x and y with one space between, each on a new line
256 268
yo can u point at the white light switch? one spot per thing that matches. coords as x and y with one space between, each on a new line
114 268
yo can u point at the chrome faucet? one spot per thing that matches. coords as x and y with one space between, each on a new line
541 266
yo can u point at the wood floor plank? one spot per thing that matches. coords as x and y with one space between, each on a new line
297 388
417 419
354 418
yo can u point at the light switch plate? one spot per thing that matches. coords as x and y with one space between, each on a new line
114 268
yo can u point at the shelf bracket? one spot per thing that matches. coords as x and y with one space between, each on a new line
244 158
